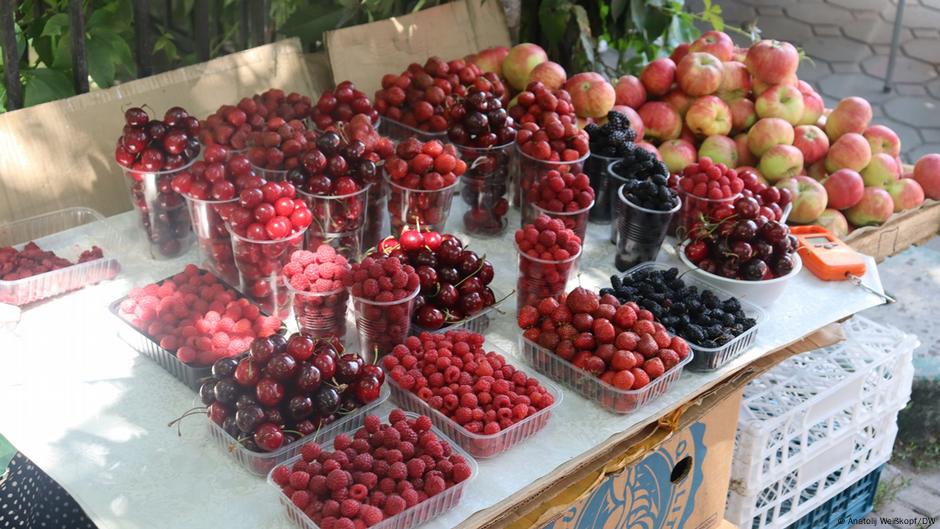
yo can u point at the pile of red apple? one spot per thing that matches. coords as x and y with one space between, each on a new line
745 107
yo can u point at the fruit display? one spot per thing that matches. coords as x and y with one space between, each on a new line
699 316
152 152
278 146
285 389
340 105
548 254
419 97
318 294
620 347
399 469
747 108
455 282
422 178
491 396
33 260
562 195
384 290
195 316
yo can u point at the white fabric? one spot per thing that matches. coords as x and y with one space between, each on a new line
93 414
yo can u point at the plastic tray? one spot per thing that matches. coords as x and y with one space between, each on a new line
593 388
411 517
191 375
846 507
260 463
45 231
477 323
711 358
479 445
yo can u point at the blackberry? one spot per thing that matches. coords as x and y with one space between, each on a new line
612 139
646 180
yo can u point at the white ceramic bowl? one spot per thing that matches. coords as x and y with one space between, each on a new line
762 293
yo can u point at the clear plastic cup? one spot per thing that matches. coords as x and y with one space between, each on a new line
541 278
614 181
320 314
642 232
575 221
212 236
260 265
271 175
485 188
338 220
694 208
382 324
597 168
373 232
417 208
398 131
163 213
313 126
529 170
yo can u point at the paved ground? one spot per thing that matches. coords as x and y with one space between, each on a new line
848 42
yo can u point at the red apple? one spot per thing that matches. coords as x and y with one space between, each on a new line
780 101
927 174
491 59
781 161
845 188
813 105
721 149
768 132
658 76
630 91
688 135
699 74
678 100
834 221
735 81
661 121
708 115
906 193
849 151
743 115
520 61
852 114
635 122
591 94
550 74
716 43
772 61
808 197
650 147
679 52
875 208
883 139
745 157
883 169
812 142
677 154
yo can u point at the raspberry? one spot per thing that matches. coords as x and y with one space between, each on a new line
397 470
349 508
300 498
434 485
461 472
410 496
342 442
310 451
415 468
337 479
394 504
370 515
372 423
422 424
344 523
358 492
299 480
281 475
317 485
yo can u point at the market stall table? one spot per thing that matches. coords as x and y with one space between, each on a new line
93 413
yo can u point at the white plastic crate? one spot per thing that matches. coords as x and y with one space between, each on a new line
793 494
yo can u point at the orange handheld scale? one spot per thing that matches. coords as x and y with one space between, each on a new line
826 256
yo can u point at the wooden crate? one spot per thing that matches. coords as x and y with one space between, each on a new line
902 230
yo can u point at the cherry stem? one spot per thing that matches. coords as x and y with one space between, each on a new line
179 420
475 272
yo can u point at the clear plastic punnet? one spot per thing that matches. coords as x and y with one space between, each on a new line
60 232
592 387
410 517
479 445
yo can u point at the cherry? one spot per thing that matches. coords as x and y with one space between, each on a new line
449 251
226 391
269 392
448 295
262 349
432 240
224 367
247 373
281 367
248 418
471 303
136 117
347 369
486 273
217 412
368 389
269 437
300 346
300 407
372 370
327 400
411 240
207 392
326 363
430 317
468 264
308 377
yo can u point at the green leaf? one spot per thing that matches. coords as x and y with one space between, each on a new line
56 25
656 24
20 42
638 13
62 55
106 51
165 44
310 22
617 7
553 19
45 84
584 25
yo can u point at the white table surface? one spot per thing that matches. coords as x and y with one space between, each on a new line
93 413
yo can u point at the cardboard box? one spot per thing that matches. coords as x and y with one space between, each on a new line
635 462
902 230
61 153
362 54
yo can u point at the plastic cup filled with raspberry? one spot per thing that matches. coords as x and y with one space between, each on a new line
320 314
260 264
705 187
318 295
163 213
485 188
548 255
383 293
212 235
530 170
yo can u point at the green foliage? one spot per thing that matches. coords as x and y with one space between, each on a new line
581 35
